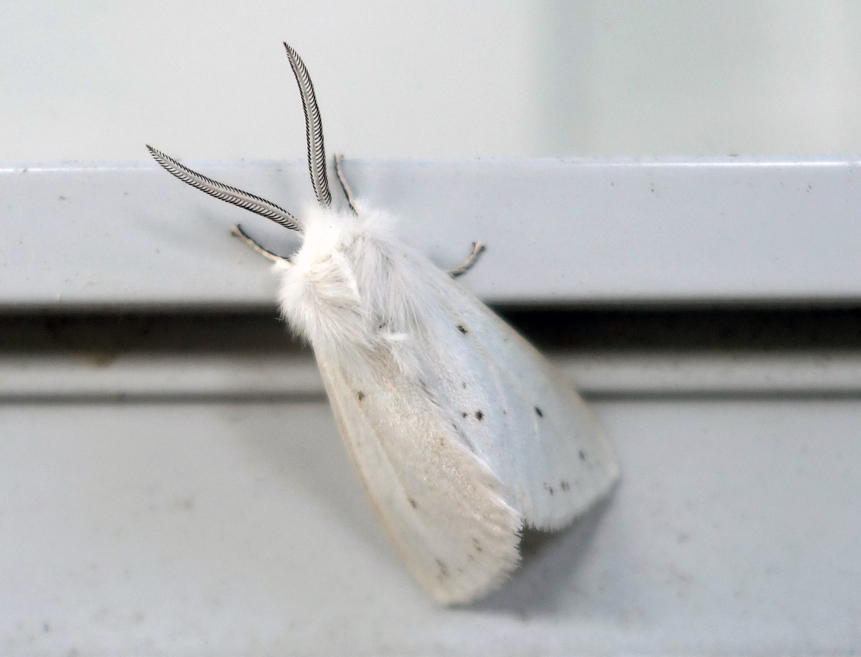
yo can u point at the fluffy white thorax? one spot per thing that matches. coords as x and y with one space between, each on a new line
354 286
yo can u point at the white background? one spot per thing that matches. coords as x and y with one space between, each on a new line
95 80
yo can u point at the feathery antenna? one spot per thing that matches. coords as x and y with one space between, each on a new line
313 129
227 193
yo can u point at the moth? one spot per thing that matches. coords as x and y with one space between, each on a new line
461 433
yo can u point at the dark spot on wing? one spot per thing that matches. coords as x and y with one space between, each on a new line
462 329
412 502
443 569
360 395
479 416
564 485
582 455
539 412
463 385
463 413
549 489
477 545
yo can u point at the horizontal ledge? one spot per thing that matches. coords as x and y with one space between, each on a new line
558 232
295 377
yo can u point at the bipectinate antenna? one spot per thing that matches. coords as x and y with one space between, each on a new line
313 129
233 195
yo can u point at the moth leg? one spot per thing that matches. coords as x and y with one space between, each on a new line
466 265
471 259
344 184
266 253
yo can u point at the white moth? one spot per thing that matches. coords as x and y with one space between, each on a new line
461 433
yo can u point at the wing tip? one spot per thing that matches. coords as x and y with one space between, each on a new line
602 487
480 581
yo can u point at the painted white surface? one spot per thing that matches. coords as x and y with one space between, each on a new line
206 79
177 528
557 231
239 529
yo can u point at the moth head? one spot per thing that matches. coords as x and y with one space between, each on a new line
252 202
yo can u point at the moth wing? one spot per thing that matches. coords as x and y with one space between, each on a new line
520 416
441 508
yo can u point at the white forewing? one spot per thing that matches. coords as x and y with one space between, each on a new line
442 509
519 415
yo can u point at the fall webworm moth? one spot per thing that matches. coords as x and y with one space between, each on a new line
461 433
